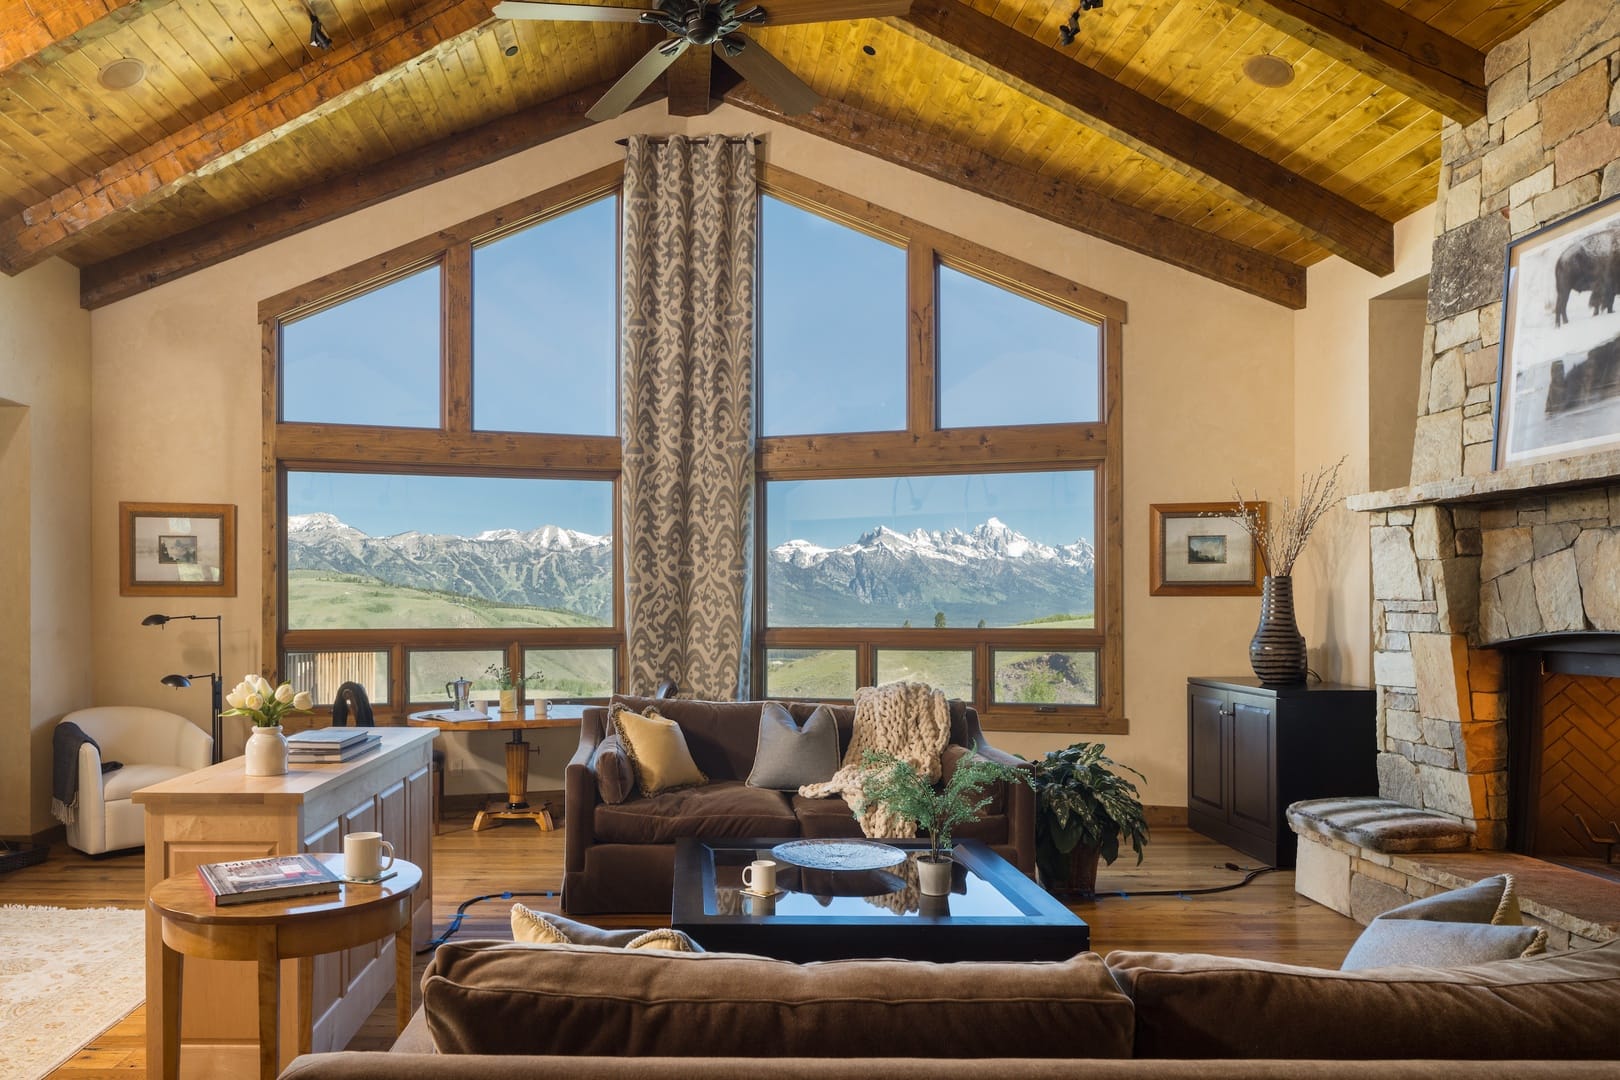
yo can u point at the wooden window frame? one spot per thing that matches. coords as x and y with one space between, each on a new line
926 448
453 448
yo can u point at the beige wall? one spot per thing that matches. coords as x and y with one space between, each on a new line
1208 384
1334 416
45 463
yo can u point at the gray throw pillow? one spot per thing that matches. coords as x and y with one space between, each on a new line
1422 943
788 756
1491 900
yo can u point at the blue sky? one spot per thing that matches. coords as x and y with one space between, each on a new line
833 355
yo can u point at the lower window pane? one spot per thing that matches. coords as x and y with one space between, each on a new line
810 674
568 673
1035 677
950 670
321 673
431 671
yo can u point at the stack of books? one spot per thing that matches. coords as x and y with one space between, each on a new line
326 745
267 879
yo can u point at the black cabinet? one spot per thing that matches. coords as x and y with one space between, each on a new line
1253 749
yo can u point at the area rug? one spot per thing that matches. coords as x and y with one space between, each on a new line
66 975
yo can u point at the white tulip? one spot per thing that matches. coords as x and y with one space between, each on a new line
254 701
302 700
284 693
262 685
236 699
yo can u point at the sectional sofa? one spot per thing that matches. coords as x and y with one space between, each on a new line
504 1011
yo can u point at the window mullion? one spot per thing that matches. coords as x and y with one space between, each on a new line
456 350
922 397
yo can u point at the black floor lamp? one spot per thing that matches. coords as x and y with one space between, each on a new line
216 681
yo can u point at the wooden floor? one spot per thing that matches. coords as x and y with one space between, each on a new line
1263 919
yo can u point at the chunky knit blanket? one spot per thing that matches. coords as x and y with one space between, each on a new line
910 721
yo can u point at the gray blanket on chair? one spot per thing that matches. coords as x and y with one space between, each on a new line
65 743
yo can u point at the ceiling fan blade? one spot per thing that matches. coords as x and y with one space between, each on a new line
626 90
513 9
771 76
784 12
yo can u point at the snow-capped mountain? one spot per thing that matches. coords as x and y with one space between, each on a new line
888 577
882 579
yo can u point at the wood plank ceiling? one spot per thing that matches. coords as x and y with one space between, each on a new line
1145 131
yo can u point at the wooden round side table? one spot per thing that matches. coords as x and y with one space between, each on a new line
516 807
270 931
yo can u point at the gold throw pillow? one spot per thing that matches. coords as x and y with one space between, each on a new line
538 928
658 751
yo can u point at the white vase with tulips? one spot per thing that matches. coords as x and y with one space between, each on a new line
264 706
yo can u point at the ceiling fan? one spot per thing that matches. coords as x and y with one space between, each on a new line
709 25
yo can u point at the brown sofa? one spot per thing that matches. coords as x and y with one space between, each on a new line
501 1011
620 857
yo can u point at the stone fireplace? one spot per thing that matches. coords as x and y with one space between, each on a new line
1496 593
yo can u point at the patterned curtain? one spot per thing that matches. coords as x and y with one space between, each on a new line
691 216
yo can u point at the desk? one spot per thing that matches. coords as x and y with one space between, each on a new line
270 931
517 805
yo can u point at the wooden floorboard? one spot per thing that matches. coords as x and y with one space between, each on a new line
1264 919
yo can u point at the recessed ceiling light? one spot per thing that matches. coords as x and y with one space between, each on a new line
122 73
868 50
1267 70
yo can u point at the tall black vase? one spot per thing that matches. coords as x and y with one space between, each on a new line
1277 650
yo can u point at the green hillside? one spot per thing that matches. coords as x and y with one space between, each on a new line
323 600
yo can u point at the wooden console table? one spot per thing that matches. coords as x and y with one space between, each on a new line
218 814
270 931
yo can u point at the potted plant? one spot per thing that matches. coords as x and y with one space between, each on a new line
509 685
937 809
1082 809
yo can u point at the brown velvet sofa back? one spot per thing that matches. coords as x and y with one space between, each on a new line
602 877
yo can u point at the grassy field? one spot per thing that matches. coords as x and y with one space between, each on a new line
321 600
1022 677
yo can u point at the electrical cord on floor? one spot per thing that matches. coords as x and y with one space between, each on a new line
461 913
1249 874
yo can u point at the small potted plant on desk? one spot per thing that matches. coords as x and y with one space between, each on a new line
1082 809
510 685
904 790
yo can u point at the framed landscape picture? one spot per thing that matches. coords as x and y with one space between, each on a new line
176 549
1198 552
1558 382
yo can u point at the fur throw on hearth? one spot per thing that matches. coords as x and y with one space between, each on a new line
909 720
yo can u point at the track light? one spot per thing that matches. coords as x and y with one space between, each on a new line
506 38
1069 31
318 37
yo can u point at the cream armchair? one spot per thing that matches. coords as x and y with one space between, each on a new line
153 745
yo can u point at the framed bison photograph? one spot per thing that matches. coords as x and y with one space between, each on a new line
1558 383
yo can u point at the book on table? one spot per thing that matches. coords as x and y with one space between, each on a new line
315 752
324 738
273 878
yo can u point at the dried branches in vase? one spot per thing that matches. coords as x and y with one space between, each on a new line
1277 650
1281 540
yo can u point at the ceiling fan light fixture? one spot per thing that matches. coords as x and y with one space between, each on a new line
121 74
1268 71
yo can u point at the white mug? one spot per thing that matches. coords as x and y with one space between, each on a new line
363 854
759 877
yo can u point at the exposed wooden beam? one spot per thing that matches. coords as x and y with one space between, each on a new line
689 83
174 257
1048 197
1393 47
1156 131
35 32
322 86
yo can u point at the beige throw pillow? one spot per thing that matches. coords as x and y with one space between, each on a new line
657 750
538 928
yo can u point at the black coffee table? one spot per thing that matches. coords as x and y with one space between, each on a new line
994 912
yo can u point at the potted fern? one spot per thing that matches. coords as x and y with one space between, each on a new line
906 791
1082 810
